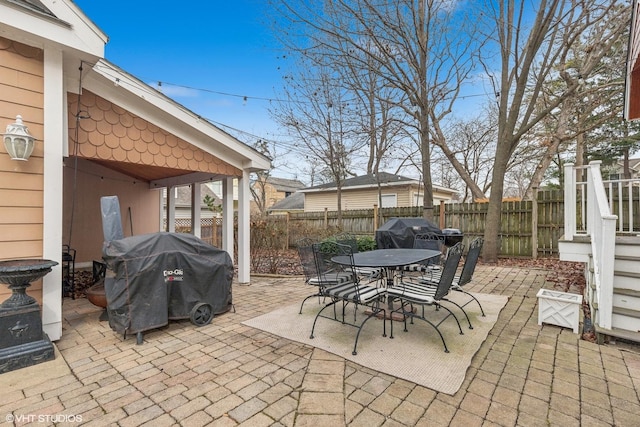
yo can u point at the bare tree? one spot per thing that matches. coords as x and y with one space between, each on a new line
468 145
420 48
529 55
314 109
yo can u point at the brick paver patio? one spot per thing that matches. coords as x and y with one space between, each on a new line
228 374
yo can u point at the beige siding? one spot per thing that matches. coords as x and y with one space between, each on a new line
319 201
93 181
365 198
21 183
354 199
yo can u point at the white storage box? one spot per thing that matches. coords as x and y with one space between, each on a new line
559 308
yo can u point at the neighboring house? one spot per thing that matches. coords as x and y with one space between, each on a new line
617 171
292 204
361 192
99 131
275 189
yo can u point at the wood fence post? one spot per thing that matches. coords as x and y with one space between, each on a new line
326 218
534 224
375 217
287 232
441 214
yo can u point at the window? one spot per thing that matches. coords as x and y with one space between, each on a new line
389 201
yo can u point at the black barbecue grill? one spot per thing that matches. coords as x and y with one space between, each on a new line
401 232
154 278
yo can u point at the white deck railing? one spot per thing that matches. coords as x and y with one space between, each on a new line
588 213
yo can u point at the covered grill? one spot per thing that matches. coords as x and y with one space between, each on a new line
153 278
161 276
401 232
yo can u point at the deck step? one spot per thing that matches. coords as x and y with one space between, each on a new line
619 333
625 319
627 280
627 246
624 263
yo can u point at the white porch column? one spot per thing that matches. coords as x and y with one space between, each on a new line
570 191
196 196
244 195
171 209
227 215
55 121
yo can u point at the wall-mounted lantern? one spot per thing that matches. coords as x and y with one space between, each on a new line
18 141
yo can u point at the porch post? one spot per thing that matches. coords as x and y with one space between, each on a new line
227 215
569 202
244 195
196 196
171 209
55 121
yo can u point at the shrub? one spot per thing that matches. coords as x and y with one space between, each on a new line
268 245
366 243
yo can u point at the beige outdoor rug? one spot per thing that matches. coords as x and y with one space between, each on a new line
417 355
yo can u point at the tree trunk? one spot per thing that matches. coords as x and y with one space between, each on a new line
427 198
493 223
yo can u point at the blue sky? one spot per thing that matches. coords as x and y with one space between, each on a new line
209 56
218 51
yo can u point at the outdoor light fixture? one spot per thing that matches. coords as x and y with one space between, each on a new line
18 141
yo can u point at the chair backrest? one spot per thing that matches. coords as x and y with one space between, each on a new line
449 270
330 271
432 241
470 261
307 259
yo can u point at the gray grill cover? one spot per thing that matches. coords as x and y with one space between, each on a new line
152 278
400 232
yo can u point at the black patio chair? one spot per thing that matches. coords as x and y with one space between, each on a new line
349 292
433 241
469 267
414 293
370 274
315 274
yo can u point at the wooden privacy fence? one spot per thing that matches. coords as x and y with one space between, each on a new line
528 228
210 229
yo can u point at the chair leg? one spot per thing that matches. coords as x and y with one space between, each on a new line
452 315
444 344
461 309
374 312
475 299
305 300
332 303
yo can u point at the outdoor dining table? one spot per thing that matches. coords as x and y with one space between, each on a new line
388 259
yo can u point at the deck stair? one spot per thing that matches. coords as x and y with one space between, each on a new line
626 292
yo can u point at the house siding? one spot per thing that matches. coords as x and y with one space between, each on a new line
365 198
22 183
139 206
353 199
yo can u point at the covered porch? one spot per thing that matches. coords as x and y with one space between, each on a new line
129 140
